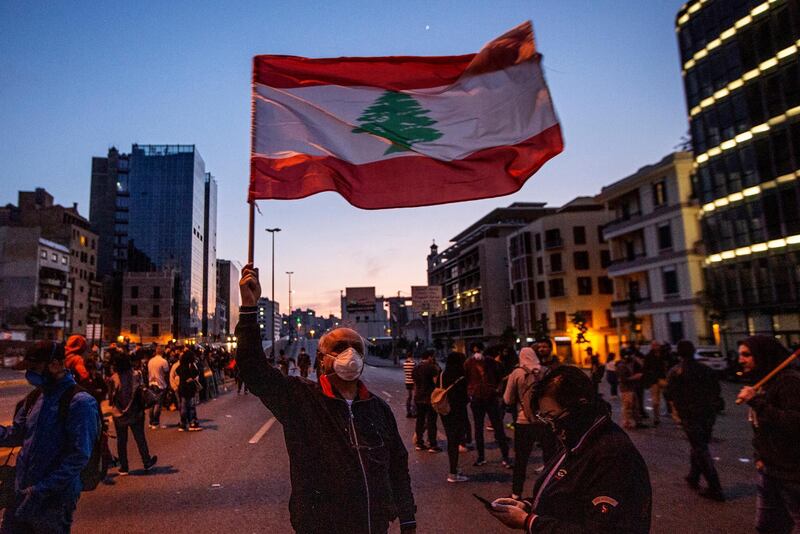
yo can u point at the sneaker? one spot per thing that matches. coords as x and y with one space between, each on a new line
508 463
434 449
153 427
150 463
195 428
539 469
122 473
181 428
420 447
462 449
490 428
458 477
479 462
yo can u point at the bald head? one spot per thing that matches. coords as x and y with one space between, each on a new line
340 339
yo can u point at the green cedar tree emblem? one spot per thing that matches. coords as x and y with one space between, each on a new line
400 119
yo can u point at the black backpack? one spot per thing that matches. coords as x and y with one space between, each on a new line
96 469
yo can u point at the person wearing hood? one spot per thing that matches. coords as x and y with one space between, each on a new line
456 422
348 463
598 481
74 351
519 393
549 362
56 427
775 418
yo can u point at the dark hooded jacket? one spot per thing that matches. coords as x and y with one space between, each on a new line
363 484
775 410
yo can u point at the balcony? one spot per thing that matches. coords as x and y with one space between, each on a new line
553 243
55 282
52 302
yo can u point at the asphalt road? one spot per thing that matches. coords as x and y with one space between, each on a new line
234 476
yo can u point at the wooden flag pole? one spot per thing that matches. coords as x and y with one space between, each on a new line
774 372
251 237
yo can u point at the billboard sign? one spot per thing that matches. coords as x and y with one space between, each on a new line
426 298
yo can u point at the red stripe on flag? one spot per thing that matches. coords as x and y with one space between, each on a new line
406 181
395 73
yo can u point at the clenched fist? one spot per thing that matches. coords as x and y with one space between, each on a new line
249 286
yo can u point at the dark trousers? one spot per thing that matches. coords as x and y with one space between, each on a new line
777 505
155 410
698 430
137 429
524 438
426 419
455 424
53 518
490 408
613 382
410 399
188 411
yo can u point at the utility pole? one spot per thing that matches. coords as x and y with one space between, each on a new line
290 273
272 312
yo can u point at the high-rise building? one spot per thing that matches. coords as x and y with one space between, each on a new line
365 313
559 283
473 274
155 206
656 260
742 81
65 226
269 313
228 294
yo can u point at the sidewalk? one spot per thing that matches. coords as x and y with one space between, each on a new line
10 377
375 361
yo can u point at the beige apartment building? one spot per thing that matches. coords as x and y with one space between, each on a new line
656 252
148 306
557 268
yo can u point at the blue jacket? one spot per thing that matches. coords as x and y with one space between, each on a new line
54 452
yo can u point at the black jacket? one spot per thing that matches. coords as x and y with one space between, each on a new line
776 425
694 390
600 485
348 467
426 378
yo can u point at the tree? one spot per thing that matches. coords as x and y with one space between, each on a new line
400 119
578 320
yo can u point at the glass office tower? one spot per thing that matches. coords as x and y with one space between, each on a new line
741 76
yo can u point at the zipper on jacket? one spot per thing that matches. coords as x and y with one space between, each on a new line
361 463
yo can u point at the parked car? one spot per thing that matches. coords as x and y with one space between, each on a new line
712 357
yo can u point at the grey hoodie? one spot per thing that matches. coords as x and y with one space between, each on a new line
521 380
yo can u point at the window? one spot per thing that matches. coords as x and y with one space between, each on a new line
557 287
539 265
540 291
581 259
156 310
552 238
605 285
659 193
579 235
561 320
54 257
675 327
64 260
670 278
610 321
157 292
664 237
154 331
134 292
555 263
44 254
584 285
537 238
134 310
605 258
134 328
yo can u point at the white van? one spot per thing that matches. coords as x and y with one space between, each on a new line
711 357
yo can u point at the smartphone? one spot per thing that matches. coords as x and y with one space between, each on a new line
487 504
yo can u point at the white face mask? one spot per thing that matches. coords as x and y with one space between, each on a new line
348 364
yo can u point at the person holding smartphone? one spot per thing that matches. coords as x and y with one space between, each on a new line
596 482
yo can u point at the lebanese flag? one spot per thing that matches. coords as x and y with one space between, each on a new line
389 132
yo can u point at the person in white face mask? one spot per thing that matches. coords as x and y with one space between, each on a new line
348 463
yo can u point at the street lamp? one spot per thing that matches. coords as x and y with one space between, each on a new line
272 315
290 273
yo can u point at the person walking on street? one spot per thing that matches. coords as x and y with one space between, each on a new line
629 379
127 412
693 391
426 376
188 388
775 418
158 372
654 377
455 422
548 363
56 446
175 380
303 362
519 393
348 463
597 483
611 374
596 369
408 373
74 351
483 378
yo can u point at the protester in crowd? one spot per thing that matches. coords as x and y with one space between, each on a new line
74 351
426 378
283 362
303 362
55 446
548 363
597 483
693 391
348 463
611 374
188 389
408 374
519 393
158 373
456 421
596 369
128 412
775 418
629 379
654 377
638 365
504 368
174 379
483 379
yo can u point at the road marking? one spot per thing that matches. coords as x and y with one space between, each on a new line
261 431
387 394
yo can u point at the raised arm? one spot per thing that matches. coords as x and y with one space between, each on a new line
261 378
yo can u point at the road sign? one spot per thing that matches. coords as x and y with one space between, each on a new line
426 298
